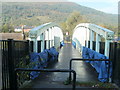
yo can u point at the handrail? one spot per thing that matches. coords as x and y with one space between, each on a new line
48 70
80 59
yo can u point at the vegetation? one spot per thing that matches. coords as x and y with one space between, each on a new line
73 19
7 28
35 14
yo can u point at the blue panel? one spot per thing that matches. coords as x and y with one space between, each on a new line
62 44
74 44
41 60
100 66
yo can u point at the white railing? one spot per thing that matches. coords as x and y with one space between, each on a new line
91 32
49 32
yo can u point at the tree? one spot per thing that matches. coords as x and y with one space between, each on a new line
63 26
7 28
73 19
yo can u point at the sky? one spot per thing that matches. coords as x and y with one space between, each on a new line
108 6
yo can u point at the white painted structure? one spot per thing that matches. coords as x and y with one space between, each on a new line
86 31
18 30
48 31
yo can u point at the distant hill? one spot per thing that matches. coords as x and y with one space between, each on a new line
38 13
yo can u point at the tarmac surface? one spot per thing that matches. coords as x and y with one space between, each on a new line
85 72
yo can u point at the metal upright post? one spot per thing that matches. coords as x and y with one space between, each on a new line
107 45
91 39
97 42
28 46
113 58
12 80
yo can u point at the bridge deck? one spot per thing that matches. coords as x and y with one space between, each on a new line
85 73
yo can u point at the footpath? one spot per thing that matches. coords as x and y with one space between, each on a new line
85 73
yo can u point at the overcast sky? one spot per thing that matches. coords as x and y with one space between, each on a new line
108 6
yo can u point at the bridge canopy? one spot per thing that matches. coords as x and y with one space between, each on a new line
49 32
35 32
103 32
89 32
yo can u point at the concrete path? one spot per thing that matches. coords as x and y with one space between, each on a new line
85 73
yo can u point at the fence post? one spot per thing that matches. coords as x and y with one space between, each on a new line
112 54
12 80
31 46
28 44
1 66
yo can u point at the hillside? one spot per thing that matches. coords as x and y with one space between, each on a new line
38 13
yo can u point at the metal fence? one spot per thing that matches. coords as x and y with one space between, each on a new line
115 57
5 68
15 54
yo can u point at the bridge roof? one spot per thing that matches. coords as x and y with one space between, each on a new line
104 29
90 25
40 29
106 33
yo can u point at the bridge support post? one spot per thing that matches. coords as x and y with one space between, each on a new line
87 37
97 42
43 41
34 44
47 39
50 36
107 46
87 43
91 39
53 44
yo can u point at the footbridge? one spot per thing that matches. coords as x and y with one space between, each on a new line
27 61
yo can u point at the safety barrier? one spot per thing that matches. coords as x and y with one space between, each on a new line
79 59
46 70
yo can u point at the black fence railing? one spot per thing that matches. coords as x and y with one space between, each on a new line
21 50
115 57
5 67
31 46
46 70
15 54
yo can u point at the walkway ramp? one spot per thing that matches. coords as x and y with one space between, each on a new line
85 73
